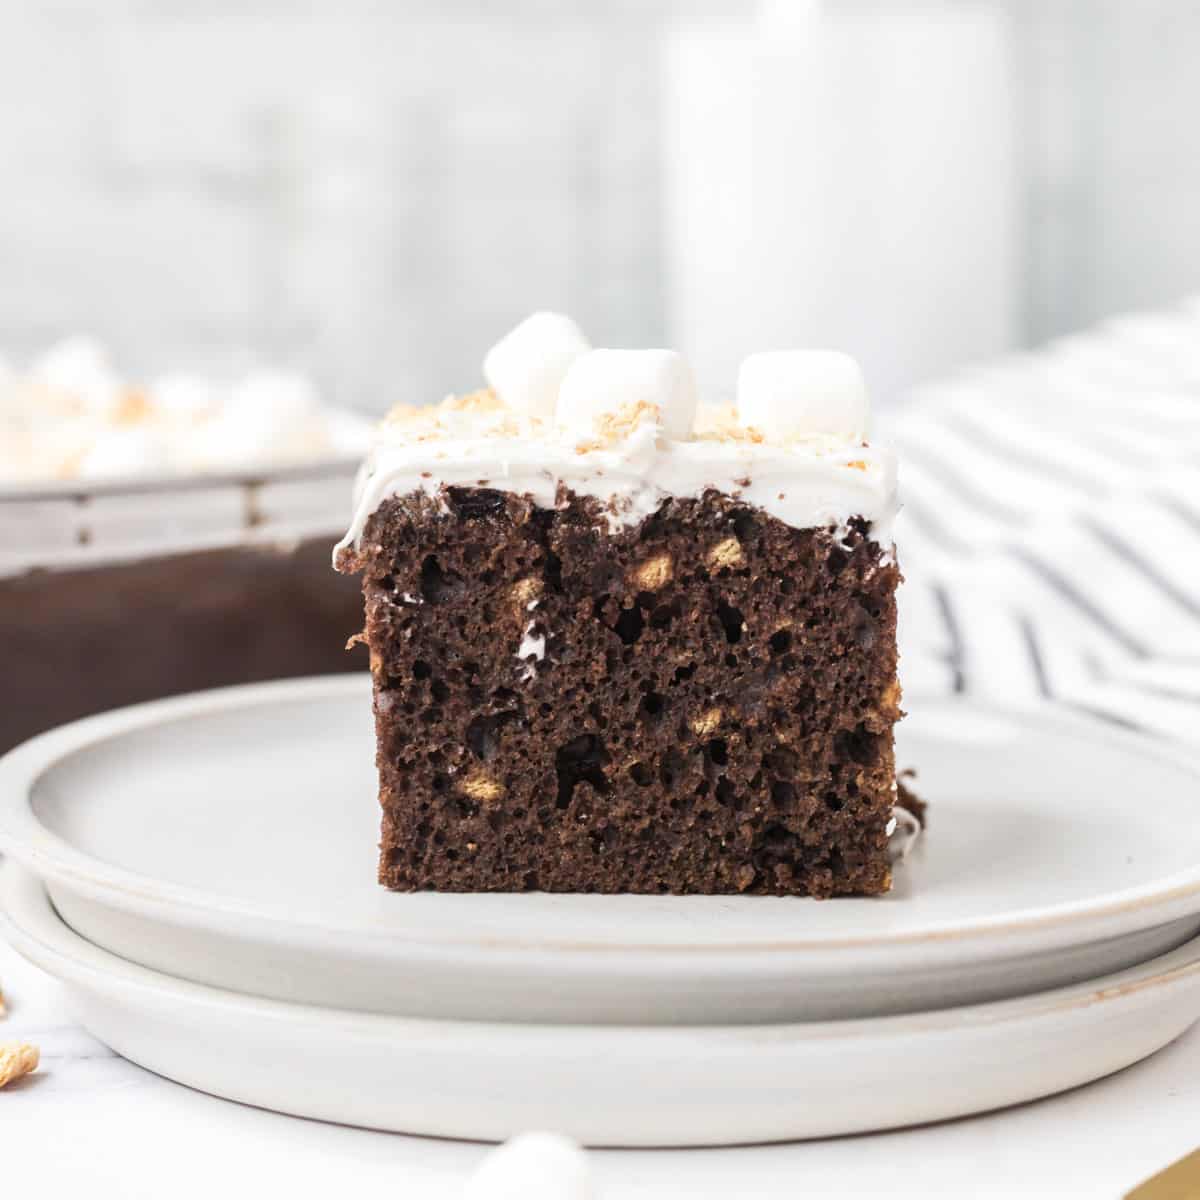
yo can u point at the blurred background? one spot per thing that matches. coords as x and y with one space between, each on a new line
374 192
365 195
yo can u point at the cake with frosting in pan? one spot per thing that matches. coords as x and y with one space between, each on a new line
623 642
165 536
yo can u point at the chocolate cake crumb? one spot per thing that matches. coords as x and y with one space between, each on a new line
711 709
907 798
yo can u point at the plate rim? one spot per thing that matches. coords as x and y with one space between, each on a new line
55 859
21 890
1085 1032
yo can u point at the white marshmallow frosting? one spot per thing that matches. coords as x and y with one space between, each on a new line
626 431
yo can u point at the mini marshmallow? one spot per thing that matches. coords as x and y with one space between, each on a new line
526 367
603 381
268 416
80 367
794 395
533 1166
266 396
183 397
117 453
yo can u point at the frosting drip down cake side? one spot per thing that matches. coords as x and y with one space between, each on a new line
622 645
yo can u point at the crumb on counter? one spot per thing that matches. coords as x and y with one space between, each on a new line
17 1059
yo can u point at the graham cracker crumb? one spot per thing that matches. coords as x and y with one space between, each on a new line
483 400
725 554
889 700
615 426
431 422
480 787
721 424
654 573
706 722
405 414
627 418
17 1059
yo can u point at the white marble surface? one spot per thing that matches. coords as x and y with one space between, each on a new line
91 1123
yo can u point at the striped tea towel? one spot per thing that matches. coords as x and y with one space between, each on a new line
1050 532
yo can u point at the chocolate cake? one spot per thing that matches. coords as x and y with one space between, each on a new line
622 646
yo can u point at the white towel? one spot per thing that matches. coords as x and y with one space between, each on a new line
1050 531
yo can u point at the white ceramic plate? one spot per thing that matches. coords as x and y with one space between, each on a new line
609 1085
229 838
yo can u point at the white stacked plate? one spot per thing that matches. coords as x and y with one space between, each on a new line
200 872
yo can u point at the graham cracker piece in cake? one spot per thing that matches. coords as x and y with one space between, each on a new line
482 788
706 722
654 573
527 592
726 553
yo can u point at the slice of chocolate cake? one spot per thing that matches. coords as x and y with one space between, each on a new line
620 645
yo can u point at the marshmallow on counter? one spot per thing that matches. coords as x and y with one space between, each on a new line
797 395
533 1166
527 365
603 381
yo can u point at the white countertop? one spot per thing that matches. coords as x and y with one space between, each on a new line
91 1123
